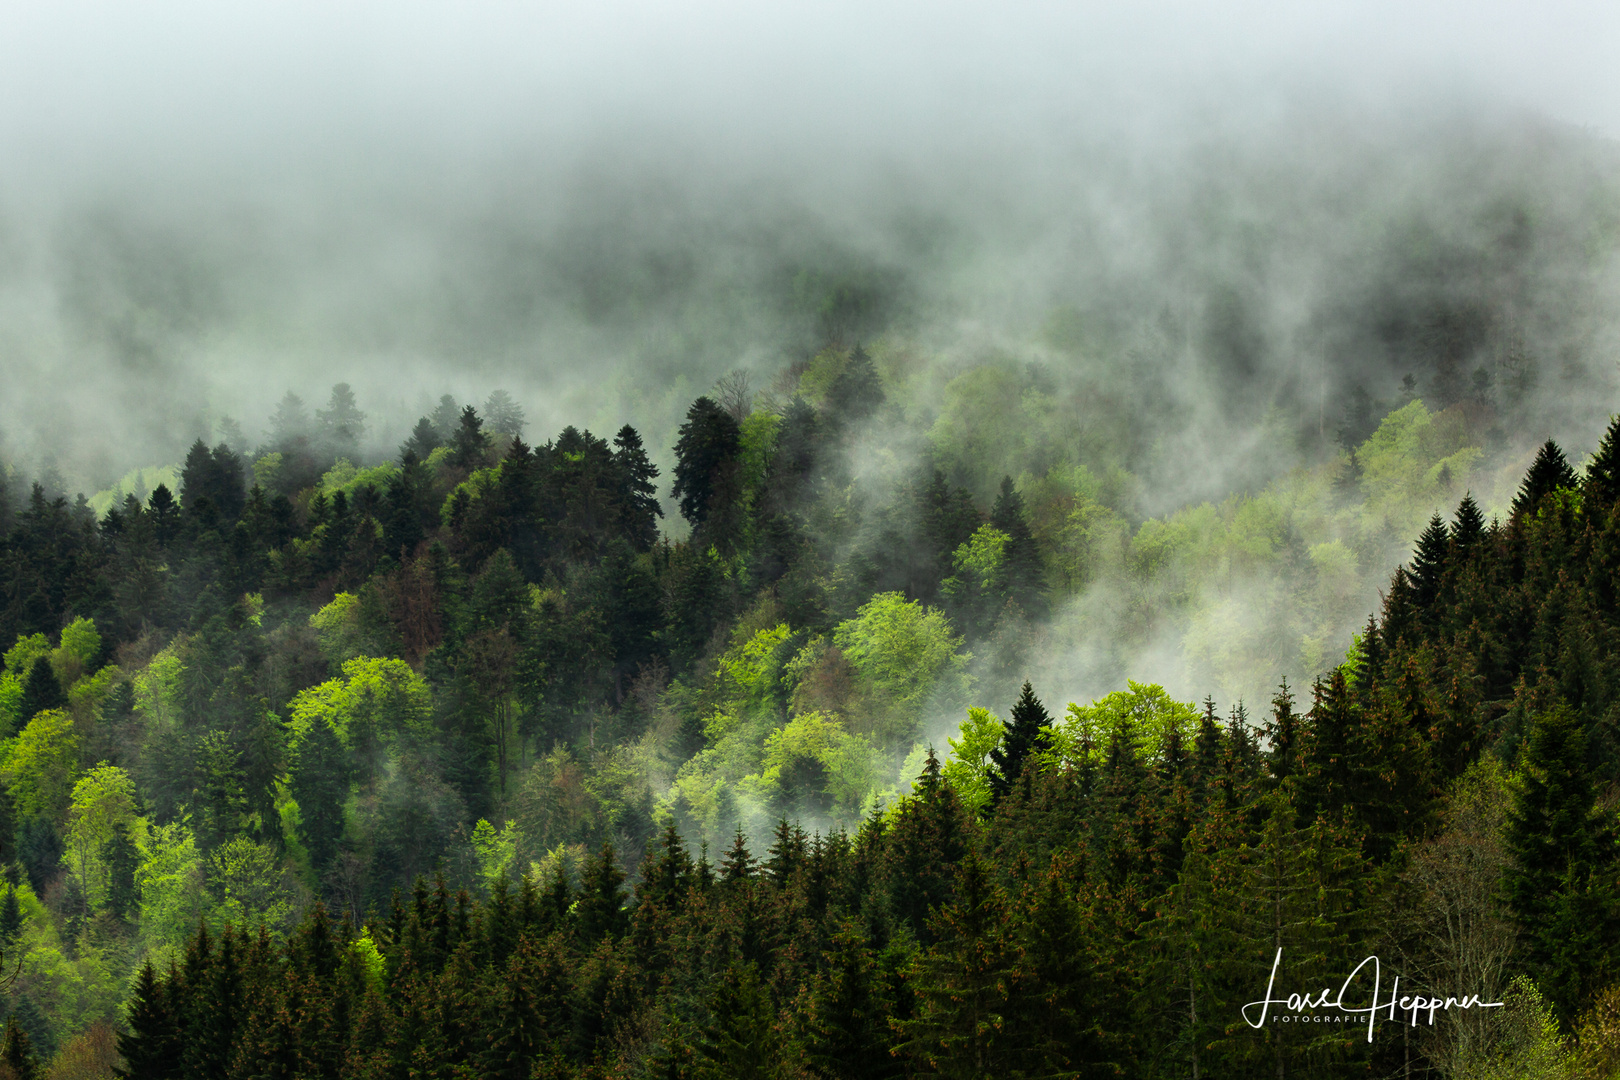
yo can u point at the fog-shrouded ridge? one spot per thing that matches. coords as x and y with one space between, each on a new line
1225 248
1219 271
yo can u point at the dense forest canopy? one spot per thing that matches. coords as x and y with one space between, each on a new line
817 588
306 751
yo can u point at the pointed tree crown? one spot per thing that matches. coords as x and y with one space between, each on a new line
1549 472
1603 471
1468 528
1429 561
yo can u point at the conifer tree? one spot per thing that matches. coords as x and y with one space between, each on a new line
165 515
1429 563
1021 559
706 484
42 691
503 415
1021 737
1371 669
1549 472
423 441
1206 757
1602 481
847 1033
1560 881
737 1041
1468 528
320 783
150 1046
11 919
962 983
857 392
637 492
468 444
121 858
214 1014
446 416
921 850
1051 1025
737 865
17 1052
600 909
792 467
1334 774
515 1028
341 423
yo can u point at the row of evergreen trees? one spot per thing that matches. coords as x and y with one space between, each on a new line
1106 915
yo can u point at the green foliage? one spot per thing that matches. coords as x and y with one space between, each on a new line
248 886
1143 715
378 701
909 663
515 670
814 767
967 771
103 807
496 851
20 657
41 765
170 882
348 478
338 628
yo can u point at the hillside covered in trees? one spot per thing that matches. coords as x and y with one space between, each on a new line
470 762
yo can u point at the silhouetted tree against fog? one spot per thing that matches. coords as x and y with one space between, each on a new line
706 481
469 444
423 441
341 423
637 492
503 416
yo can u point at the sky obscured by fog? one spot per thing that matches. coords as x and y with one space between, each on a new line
603 207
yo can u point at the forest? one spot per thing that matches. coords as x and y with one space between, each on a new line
470 762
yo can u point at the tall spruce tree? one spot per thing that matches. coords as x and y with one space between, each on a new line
1468 527
1549 472
150 1043
423 441
42 691
17 1052
1602 481
1021 738
857 392
1021 559
1429 563
962 983
468 443
1559 883
320 783
637 491
706 483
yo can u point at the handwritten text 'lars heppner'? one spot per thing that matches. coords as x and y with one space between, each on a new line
1413 1005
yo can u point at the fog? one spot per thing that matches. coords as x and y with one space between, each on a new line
602 208
1227 222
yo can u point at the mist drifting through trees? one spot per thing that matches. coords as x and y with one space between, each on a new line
822 543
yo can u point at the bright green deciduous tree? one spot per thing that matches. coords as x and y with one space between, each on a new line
248 885
170 883
1147 711
967 771
909 662
813 766
42 765
104 804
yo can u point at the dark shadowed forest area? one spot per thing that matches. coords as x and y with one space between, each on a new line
728 546
456 764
